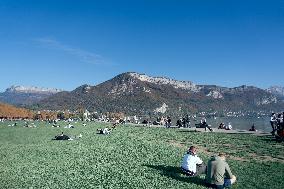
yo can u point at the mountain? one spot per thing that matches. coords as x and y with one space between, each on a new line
277 90
21 95
9 111
135 93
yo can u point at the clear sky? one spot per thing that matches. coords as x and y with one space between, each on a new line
67 43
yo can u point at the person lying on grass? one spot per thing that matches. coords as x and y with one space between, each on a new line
62 137
55 125
192 165
69 126
65 137
219 174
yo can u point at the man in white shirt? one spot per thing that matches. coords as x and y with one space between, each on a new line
273 121
192 165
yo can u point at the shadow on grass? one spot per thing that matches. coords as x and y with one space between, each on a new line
237 133
176 173
190 131
266 138
270 138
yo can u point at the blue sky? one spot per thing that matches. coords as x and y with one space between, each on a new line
65 44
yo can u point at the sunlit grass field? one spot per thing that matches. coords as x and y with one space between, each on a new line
130 157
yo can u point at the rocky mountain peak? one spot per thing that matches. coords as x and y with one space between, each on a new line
215 94
31 89
276 90
186 85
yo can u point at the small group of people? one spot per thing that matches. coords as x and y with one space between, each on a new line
276 121
13 125
226 127
108 130
32 125
146 122
183 122
218 172
159 121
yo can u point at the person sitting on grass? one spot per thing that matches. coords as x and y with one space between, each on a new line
228 127
221 126
252 128
69 126
205 125
26 124
179 123
168 122
219 174
104 131
114 125
192 165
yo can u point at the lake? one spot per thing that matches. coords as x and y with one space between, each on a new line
243 123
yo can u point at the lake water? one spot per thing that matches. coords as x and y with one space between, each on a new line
243 123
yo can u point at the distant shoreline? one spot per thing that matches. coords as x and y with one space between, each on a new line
215 130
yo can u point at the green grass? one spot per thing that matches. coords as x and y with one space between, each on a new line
130 157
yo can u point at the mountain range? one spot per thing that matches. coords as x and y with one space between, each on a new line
134 93
25 95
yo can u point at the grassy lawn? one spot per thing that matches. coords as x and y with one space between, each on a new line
130 157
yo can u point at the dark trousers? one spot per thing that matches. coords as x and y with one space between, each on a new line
215 186
273 126
200 169
207 126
